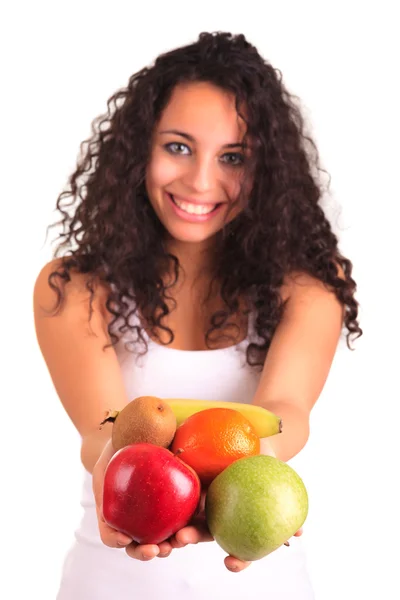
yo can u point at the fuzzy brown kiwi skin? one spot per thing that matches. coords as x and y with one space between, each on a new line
145 419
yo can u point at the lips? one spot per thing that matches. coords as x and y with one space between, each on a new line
193 208
194 212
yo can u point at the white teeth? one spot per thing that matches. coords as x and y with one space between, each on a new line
194 209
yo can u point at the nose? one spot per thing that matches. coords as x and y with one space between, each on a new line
201 175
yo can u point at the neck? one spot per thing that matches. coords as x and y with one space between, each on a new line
195 259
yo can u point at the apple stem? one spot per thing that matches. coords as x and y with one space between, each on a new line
111 415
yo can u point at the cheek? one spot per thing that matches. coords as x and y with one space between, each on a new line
233 185
161 172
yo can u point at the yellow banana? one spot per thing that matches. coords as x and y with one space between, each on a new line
264 421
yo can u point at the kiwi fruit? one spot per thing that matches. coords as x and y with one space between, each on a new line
145 419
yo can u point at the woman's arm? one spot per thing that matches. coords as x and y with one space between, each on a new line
86 377
88 381
299 360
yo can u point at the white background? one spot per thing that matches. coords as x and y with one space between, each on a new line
60 64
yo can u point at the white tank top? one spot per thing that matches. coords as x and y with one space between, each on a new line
92 571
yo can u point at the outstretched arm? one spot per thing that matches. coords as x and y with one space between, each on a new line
298 361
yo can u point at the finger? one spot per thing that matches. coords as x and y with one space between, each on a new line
99 470
142 552
110 536
165 549
191 535
235 565
175 543
298 533
202 503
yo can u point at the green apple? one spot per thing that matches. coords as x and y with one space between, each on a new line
255 505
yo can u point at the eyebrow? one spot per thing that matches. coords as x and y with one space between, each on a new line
192 139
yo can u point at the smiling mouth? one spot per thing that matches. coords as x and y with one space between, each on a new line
194 209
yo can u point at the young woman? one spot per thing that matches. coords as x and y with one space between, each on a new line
195 261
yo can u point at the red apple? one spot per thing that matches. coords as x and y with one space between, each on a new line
149 493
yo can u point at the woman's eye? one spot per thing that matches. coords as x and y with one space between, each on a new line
177 148
233 158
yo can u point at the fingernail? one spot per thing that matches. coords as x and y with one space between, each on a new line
184 541
147 556
124 541
234 569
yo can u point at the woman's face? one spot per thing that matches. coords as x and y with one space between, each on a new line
196 163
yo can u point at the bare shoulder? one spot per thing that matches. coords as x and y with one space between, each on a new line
75 344
76 293
301 285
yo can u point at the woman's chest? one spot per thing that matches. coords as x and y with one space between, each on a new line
199 324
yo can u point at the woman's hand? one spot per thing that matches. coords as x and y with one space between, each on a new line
196 531
193 533
110 536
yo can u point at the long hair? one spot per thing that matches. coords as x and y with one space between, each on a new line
111 233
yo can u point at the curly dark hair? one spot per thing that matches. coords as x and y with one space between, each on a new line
113 235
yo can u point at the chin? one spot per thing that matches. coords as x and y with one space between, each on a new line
189 235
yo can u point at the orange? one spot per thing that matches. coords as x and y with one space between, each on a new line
212 439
